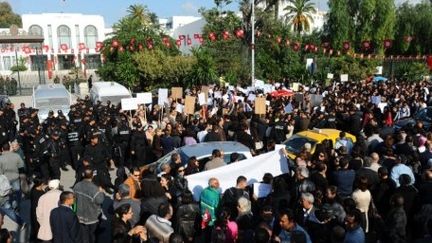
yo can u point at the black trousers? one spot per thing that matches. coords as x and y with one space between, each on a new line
50 169
76 155
89 232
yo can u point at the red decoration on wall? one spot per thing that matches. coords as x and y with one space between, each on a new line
366 45
99 45
115 43
64 47
346 45
296 46
196 36
150 44
81 46
388 43
225 35
239 33
189 41
212 36
46 48
182 37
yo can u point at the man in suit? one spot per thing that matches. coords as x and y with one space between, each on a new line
64 223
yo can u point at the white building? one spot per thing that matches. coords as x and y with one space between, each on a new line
169 25
70 40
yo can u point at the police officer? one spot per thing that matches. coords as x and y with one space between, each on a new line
38 140
74 136
279 130
4 132
50 167
64 148
99 156
139 145
22 112
121 140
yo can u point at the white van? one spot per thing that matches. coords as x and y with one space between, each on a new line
51 97
108 90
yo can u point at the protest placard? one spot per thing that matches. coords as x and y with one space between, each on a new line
344 77
202 99
260 106
128 104
162 96
189 105
177 93
144 98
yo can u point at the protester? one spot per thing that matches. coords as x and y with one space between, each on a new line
63 221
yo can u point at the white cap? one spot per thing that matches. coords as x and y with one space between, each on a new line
54 184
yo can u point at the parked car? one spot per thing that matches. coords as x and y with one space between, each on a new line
51 97
203 153
424 115
295 143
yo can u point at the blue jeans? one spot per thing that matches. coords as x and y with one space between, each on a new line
6 209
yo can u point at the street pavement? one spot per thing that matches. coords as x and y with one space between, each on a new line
67 180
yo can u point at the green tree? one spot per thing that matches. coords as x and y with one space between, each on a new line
299 14
204 70
337 27
8 17
384 23
140 13
366 15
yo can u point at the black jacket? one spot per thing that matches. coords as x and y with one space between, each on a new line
65 226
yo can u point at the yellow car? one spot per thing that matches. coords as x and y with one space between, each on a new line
295 143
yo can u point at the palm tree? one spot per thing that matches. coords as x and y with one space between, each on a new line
140 13
299 14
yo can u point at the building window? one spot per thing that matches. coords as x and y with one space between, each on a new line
7 63
66 62
93 61
35 30
90 36
38 62
64 35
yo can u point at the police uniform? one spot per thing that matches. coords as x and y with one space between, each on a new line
50 168
99 157
139 147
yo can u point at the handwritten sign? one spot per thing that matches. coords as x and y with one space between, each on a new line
344 77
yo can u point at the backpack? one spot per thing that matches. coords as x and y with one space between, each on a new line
5 186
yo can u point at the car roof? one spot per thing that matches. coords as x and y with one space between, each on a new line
110 88
201 149
50 91
322 134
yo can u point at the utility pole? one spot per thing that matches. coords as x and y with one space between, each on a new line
253 45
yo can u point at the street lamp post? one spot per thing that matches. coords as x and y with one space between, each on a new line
18 73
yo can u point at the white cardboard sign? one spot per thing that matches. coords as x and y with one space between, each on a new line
162 96
129 104
144 98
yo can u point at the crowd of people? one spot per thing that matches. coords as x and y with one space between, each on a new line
376 189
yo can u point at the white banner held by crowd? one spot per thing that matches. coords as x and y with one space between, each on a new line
129 104
144 98
162 96
253 169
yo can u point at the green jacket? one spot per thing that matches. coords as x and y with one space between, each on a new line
209 201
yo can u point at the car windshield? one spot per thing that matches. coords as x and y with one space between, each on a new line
48 102
296 143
